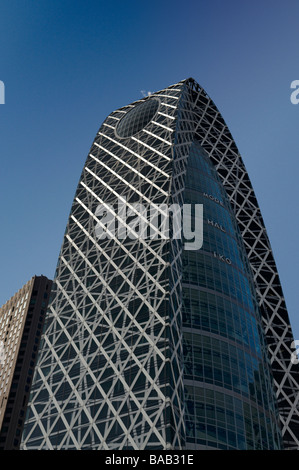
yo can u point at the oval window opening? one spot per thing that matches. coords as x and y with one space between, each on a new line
137 118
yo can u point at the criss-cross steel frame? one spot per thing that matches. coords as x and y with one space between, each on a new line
110 368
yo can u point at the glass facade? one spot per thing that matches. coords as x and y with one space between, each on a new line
230 403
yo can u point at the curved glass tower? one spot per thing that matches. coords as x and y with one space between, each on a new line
229 395
153 339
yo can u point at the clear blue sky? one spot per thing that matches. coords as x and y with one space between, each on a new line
67 64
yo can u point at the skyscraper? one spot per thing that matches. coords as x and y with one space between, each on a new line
21 323
165 342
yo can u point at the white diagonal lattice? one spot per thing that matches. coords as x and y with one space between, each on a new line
106 376
214 136
110 369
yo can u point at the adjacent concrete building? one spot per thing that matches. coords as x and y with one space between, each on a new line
21 322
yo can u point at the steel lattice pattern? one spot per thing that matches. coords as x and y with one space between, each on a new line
110 369
107 374
215 138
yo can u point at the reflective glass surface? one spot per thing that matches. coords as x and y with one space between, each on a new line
228 385
137 118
